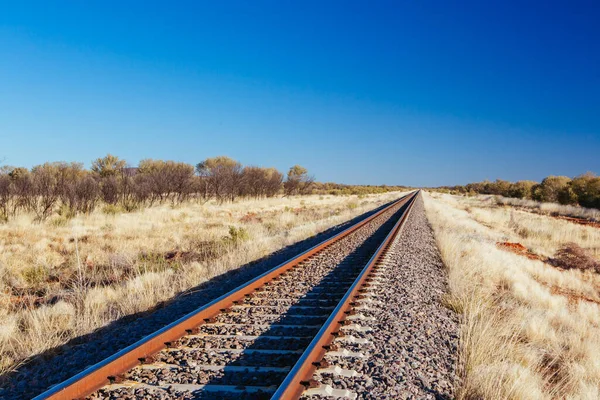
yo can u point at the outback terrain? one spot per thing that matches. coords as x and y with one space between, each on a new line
527 286
60 281
475 297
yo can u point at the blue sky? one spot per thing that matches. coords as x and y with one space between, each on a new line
401 92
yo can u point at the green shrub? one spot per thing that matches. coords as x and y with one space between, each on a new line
66 212
567 196
237 235
59 221
111 209
35 275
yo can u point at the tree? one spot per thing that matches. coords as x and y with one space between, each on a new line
22 189
298 181
500 187
45 190
5 196
69 176
223 176
521 189
587 189
273 182
261 182
167 179
549 188
108 166
567 196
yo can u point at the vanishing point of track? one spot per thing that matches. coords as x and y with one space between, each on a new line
264 340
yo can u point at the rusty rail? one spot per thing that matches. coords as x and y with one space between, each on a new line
300 377
100 374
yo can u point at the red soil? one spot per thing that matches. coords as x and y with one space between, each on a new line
519 249
580 221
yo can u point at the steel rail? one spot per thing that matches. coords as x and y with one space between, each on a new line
300 376
101 374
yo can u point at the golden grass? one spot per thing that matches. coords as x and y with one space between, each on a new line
529 330
63 279
546 208
538 232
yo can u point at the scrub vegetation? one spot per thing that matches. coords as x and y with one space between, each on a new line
61 190
583 190
528 290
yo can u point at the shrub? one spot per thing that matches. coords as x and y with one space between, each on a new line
550 187
58 221
237 235
298 181
572 256
66 212
111 209
5 197
521 189
587 189
567 196
109 187
35 275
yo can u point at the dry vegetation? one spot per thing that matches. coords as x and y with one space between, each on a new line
531 325
553 209
583 190
62 280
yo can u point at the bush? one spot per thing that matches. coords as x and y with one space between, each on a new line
237 235
35 275
550 187
5 197
583 189
567 196
587 189
572 256
111 209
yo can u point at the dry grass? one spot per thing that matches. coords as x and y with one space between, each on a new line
65 278
529 330
546 208
538 232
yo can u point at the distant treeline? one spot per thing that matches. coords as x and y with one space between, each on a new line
583 189
341 189
69 188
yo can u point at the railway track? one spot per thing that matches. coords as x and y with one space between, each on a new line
266 339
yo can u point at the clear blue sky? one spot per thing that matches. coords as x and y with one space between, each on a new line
400 92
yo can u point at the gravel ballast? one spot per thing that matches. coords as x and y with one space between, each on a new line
413 349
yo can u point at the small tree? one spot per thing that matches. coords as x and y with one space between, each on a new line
261 182
273 182
550 187
223 176
587 189
521 189
109 188
108 166
5 196
298 181
45 190
22 189
567 196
